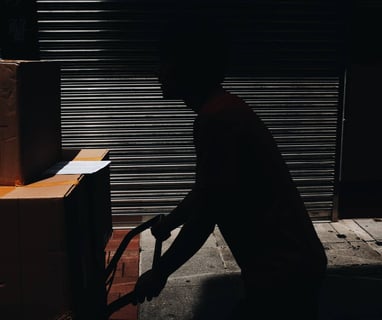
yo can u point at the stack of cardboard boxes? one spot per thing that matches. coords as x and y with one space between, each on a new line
53 227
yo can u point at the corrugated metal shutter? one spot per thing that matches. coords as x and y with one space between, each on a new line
287 70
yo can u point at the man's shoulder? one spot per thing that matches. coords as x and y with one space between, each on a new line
227 106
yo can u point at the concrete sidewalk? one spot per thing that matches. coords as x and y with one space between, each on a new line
208 285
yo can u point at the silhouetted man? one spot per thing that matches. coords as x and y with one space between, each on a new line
242 186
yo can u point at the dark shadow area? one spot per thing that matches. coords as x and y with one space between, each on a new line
218 296
345 296
53 170
351 297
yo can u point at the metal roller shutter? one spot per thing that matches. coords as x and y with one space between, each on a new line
111 97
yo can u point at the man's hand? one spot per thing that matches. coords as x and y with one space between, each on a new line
149 285
160 230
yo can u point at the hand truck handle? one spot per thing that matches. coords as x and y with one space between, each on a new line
128 298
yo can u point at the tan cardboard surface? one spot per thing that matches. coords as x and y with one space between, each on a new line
57 186
4 190
52 238
91 155
30 125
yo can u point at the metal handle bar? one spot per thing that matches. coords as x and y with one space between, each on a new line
129 297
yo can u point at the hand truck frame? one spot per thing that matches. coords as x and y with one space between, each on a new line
112 266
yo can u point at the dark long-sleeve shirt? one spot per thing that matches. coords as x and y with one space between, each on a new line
244 187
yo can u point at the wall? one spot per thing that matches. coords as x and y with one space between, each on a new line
360 187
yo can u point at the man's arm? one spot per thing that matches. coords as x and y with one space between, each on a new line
193 234
177 217
190 239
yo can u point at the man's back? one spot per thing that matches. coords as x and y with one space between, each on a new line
250 191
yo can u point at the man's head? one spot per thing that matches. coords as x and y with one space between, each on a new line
193 54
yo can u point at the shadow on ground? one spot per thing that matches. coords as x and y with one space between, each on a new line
344 297
351 297
218 296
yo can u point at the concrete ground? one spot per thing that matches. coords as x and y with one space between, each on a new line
208 285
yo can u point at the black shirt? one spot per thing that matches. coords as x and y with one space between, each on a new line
245 187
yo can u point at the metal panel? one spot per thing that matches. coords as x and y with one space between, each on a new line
111 96
302 115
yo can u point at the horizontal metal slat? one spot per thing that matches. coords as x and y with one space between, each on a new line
103 48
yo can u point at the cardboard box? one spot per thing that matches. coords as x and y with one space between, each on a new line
52 245
98 185
30 120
